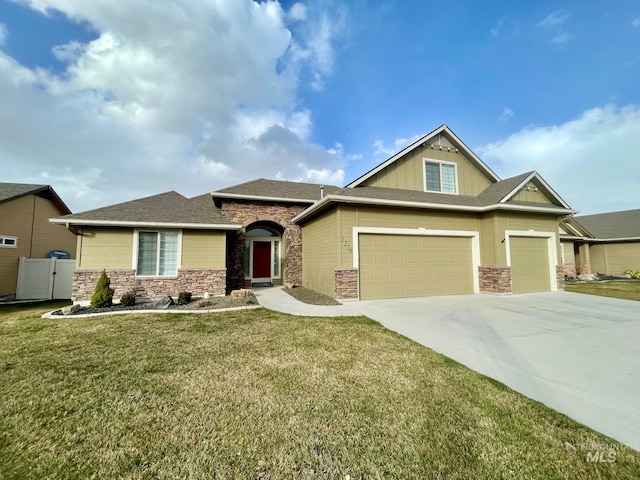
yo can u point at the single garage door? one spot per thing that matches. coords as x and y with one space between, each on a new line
529 264
395 266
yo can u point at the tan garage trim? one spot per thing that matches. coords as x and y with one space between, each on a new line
472 236
517 239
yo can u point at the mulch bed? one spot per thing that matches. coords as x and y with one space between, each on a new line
213 303
309 296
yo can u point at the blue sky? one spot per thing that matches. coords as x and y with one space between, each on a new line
109 101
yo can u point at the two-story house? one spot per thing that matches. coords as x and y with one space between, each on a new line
432 219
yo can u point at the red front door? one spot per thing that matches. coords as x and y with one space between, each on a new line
262 260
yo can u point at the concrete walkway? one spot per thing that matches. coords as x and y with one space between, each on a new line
578 354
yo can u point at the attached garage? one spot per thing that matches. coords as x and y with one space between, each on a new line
530 264
415 265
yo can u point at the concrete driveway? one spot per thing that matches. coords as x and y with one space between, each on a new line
578 354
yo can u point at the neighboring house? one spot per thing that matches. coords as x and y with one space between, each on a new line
25 230
431 220
606 243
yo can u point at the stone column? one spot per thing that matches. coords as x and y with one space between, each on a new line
346 284
585 259
495 279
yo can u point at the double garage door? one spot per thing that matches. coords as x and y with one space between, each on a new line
395 266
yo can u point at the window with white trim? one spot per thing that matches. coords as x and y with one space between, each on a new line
157 254
8 242
276 258
440 177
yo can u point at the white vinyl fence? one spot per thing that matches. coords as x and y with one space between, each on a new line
40 278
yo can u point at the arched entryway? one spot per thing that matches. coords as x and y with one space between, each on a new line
263 254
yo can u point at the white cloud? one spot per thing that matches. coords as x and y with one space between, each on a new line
297 12
3 33
179 94
555 18
636 22
398 144
591 161
562 38
507 114
316 36
495 31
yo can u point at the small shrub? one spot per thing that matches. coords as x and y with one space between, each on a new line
184 298
128 299
103 295
633 273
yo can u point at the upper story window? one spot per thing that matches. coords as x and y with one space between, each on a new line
441 177
8 242
157 254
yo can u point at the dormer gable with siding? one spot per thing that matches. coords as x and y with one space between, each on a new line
439 162
533 190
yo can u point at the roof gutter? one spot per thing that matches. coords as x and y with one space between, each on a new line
118 223
602 240
439 206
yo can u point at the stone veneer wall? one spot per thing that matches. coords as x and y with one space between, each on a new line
346 284
584 268
248 212
495 279
196 281
560 273
569 269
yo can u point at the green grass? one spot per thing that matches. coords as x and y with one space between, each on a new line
257 394
626 289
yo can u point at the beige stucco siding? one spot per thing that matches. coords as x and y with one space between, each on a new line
48 236
531 197
488 242
615 258
569 255
320 244
27 219
15 221
203 249
408 172
110 248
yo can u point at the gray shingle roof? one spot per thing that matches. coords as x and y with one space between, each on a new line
11 191
625 224
490 196
497 191
276 189
397 194
165 208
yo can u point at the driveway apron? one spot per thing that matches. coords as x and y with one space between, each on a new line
578 354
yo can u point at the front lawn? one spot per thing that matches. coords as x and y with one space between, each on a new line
626 289
258 394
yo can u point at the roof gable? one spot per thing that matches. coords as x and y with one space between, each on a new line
440 138
13 191
524 189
